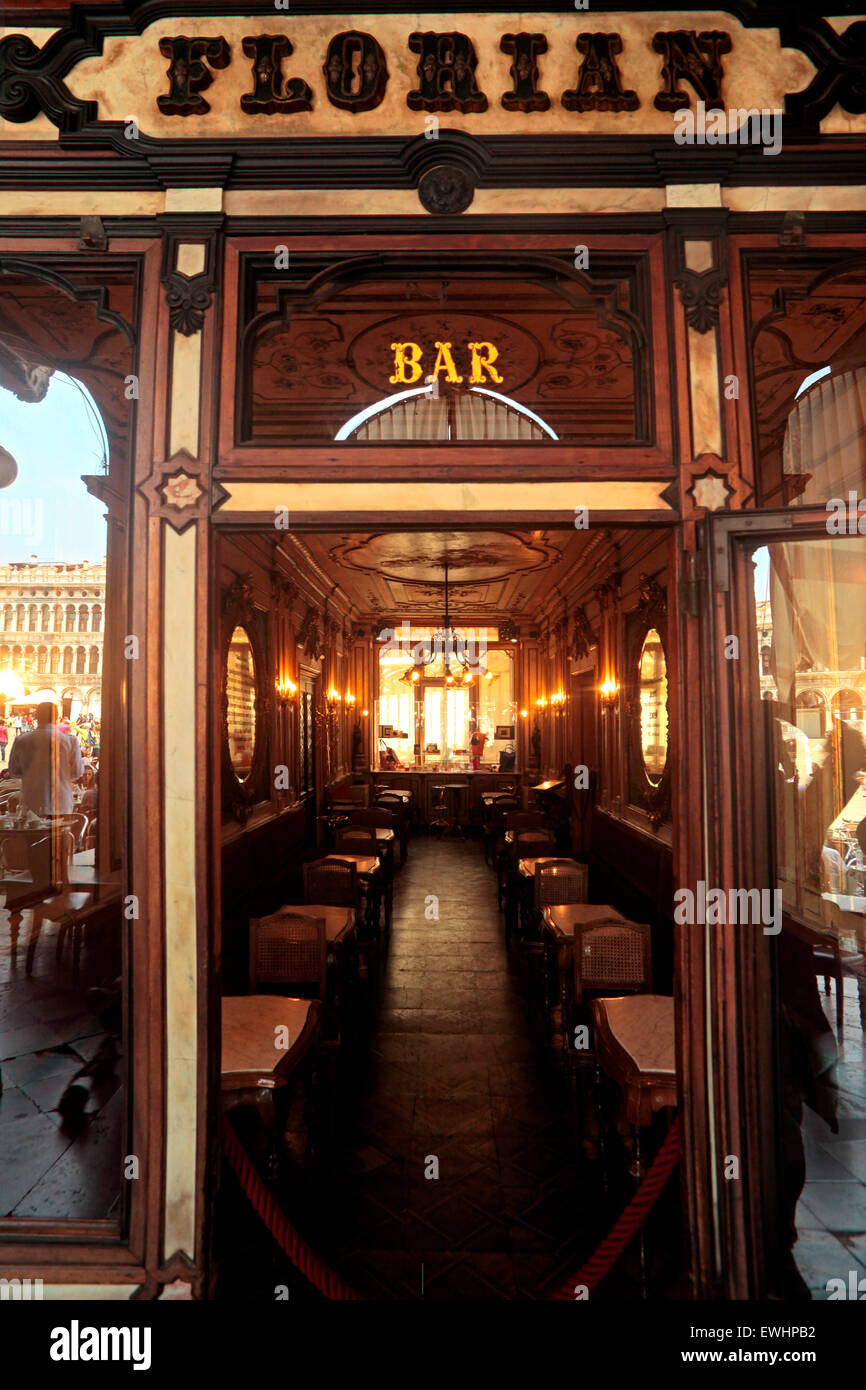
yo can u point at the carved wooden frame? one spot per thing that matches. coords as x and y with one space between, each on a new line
652 612
239 610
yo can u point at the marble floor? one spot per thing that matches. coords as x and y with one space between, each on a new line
49 1166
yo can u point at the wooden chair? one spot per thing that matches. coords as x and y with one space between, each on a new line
560 881
358 839
395 806
528 843
493 824
68 907
610 958
332 882
289 948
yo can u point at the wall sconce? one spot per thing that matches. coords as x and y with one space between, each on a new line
350 699
558 701
524 714
541 702
333 696
286 691
608 690
365 712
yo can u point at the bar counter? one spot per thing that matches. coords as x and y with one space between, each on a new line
421 781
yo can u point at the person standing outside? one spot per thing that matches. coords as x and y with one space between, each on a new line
4 739
476 748
48 761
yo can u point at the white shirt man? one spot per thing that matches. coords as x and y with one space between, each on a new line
48 762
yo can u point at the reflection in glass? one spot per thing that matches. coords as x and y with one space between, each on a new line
653 681
241 703
810 607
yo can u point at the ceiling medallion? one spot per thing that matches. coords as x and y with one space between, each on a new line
445 189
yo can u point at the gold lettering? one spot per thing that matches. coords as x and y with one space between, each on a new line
482 359
407 363
444 361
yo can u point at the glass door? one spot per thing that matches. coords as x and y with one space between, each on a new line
785 654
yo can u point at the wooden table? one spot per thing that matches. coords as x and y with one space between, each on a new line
527 866
634 1044
251 1061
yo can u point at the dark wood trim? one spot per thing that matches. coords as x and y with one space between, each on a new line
426 521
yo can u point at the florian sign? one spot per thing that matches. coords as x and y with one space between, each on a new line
356 73
409 364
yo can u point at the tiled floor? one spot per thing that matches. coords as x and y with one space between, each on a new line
47 1034
450 1080
831 1213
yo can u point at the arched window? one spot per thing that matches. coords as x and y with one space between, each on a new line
93 668
55 658
58 618
4 656
67 660
7 617
97 618
42 659
70 617
17 658
19 616
422 414
80 660
32 619
46 618
82 617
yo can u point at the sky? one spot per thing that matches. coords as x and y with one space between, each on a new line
47 511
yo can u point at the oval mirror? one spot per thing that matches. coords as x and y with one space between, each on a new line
241 703
653 682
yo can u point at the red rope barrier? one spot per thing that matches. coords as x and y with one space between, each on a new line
332 1286
629 1223
262 1201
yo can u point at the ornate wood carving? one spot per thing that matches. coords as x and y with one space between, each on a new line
340 71
701 296
524 50
239 610
446 189
272 91
599 84
841 63
188 298
446 73
189 72
310 635
30 83
583 638
651 612
175 492
694 58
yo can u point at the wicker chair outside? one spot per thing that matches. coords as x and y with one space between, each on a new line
560 881
612 958
288 948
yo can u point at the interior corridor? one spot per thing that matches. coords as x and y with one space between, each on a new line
450 1070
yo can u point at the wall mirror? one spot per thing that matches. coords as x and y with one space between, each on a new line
241 702
245 705
653 695
646 705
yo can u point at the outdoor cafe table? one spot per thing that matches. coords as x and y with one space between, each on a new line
561 921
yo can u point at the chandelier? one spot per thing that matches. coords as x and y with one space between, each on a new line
458 667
